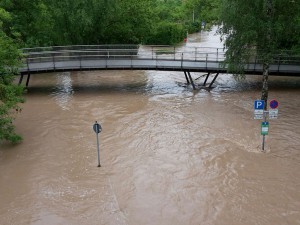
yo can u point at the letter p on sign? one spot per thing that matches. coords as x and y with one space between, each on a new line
259 104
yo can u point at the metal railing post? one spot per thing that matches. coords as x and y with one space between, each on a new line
28 70
80 61
106 62
21 79
181 59
278 64
53 61
152 52
174 53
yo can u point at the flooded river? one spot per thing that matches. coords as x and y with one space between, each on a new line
169 155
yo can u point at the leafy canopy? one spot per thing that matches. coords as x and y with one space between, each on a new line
263 27
10 94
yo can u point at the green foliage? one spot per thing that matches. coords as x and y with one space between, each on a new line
72 22
167 33
258 27
131 22
10 94
196 11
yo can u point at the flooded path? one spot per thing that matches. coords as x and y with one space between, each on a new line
169 155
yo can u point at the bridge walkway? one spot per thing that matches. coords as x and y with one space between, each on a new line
132 57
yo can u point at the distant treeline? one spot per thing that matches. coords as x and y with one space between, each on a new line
71 22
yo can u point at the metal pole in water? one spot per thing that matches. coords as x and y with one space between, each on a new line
263 143
97 128
264 136
98 148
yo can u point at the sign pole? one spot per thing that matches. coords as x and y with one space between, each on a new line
98 148
264 136
97 128
261 113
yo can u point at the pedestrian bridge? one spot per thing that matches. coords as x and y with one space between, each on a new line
134 57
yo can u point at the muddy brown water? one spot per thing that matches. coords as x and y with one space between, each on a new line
169 155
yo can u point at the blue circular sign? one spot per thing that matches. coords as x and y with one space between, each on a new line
274 104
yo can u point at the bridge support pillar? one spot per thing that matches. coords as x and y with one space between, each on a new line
186 77
21 79
28 78
191 79
212 82
206 79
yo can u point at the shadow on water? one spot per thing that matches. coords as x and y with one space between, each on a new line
224 83
254 83
86 89
68 83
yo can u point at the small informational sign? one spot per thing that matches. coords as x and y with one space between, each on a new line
273 114
264 128
274 104
258 115
259 109
97 127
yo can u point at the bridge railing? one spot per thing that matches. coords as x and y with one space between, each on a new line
116 52
158 53
79 47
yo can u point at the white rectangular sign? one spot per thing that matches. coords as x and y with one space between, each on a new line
258 116
273 113
259 111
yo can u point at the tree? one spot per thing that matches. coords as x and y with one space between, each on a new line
10 94
30 20
259 27
200 10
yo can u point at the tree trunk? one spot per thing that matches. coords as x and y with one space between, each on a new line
268 52
265 88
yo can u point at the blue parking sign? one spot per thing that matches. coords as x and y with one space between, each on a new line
259 104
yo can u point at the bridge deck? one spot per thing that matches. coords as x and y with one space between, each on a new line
134 57
132 63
